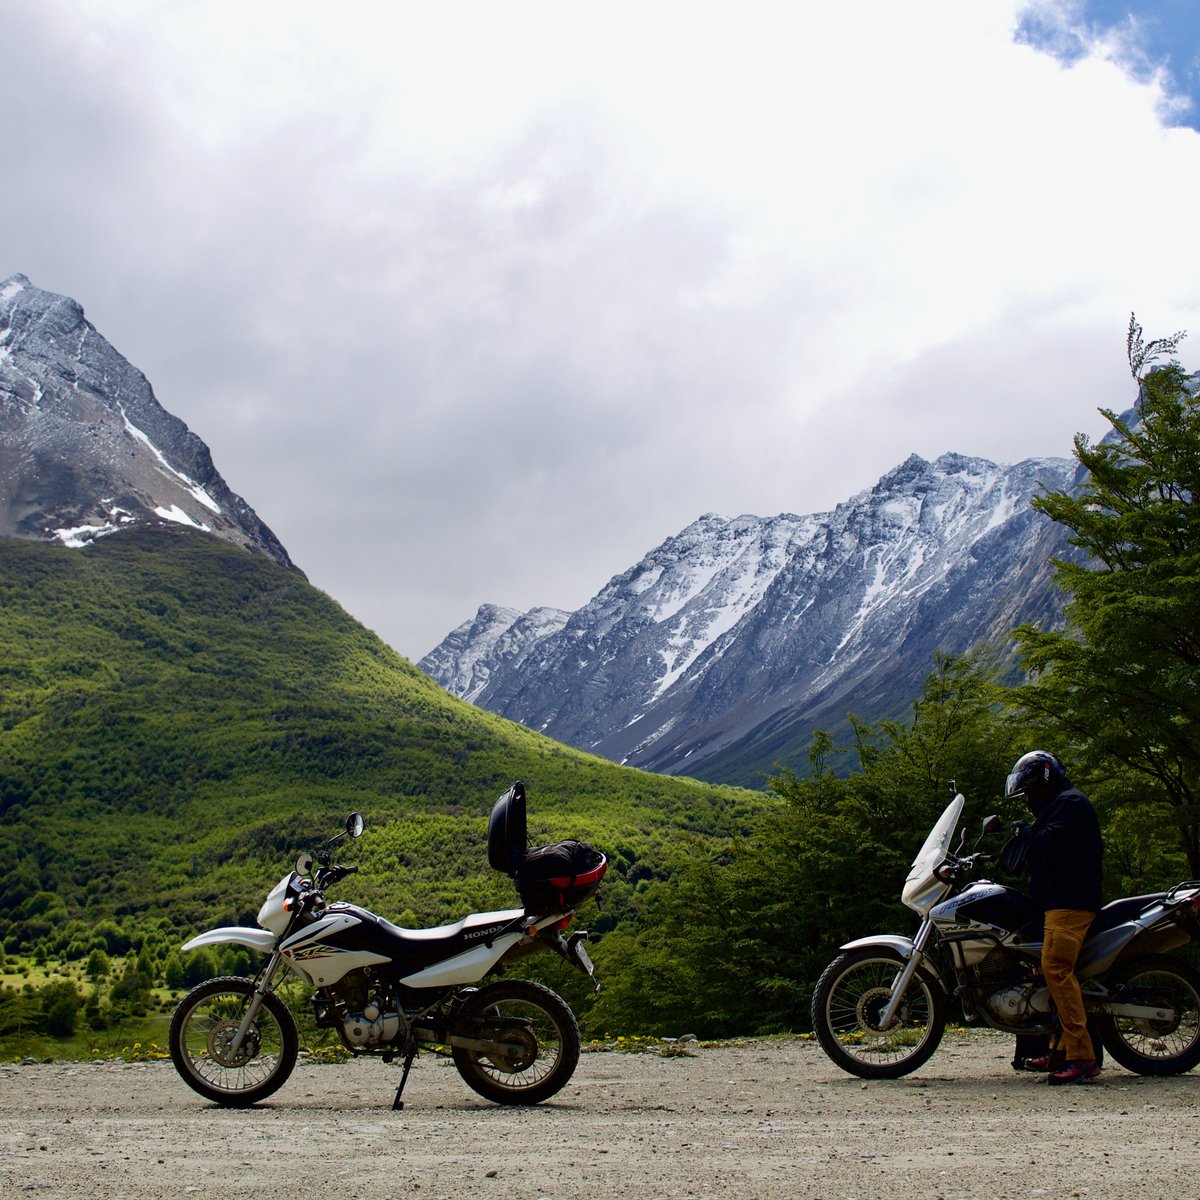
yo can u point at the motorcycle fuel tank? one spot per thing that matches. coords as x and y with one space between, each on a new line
992 905
318 951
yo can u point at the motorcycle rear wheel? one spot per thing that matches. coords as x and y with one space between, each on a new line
205 1021
848 1000
541 1028
1148 1048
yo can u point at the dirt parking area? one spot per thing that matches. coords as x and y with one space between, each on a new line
761 1119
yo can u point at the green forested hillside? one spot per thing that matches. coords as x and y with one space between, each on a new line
178 717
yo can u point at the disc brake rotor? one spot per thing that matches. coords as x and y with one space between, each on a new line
219 1039
870 1009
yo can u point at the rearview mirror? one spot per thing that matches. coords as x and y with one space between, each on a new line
304 863
355 824
993 824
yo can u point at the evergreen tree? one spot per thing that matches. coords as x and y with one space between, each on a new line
98 966
1122 682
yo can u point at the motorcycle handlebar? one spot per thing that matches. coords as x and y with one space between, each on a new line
328 875
954 869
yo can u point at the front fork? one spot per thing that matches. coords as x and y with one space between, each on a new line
262 986
901 982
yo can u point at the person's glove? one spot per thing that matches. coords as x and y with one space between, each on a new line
1016 850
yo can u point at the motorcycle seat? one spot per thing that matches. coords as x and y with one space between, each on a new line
419 947
1117 912
469 924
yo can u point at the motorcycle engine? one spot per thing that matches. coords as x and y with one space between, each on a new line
368 1019
371 1027
1012 1005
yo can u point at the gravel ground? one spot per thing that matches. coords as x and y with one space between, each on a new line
757 1120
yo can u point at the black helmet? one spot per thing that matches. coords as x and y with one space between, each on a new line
1037 776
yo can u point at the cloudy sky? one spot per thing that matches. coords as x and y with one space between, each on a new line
480 301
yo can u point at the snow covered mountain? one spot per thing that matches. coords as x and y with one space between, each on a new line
496 640
725 647
85 448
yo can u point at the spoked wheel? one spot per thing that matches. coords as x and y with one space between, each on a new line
534 1042
1167 1046
847 1010
203 1029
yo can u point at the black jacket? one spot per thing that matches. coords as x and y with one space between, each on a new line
1064 854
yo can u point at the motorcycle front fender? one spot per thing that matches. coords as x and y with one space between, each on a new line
255 939
892 941
902 946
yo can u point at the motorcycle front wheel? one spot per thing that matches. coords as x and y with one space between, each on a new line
1156 1047
202 1029
538 1035
849 1001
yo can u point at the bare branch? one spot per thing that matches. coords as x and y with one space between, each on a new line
1142 355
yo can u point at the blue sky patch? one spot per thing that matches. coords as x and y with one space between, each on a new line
1155 35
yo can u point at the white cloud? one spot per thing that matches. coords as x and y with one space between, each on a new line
479 302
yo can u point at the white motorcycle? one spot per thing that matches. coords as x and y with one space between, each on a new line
389 991
879 1009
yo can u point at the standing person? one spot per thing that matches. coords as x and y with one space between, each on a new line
1063 852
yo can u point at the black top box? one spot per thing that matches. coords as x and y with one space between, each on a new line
549 878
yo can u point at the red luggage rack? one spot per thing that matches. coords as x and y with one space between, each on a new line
552 893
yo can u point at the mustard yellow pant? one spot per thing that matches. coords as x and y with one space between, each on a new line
1065 930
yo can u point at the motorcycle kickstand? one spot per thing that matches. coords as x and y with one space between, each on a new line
409 1055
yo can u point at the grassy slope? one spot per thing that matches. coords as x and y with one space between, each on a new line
178 717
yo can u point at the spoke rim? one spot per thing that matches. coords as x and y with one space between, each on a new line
856 1000
531 1025
206 1032
1142 1038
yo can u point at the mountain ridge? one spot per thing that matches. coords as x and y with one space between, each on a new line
716 655
733 640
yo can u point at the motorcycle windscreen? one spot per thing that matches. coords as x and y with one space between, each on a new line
921 888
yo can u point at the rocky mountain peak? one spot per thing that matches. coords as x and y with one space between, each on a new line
86 450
